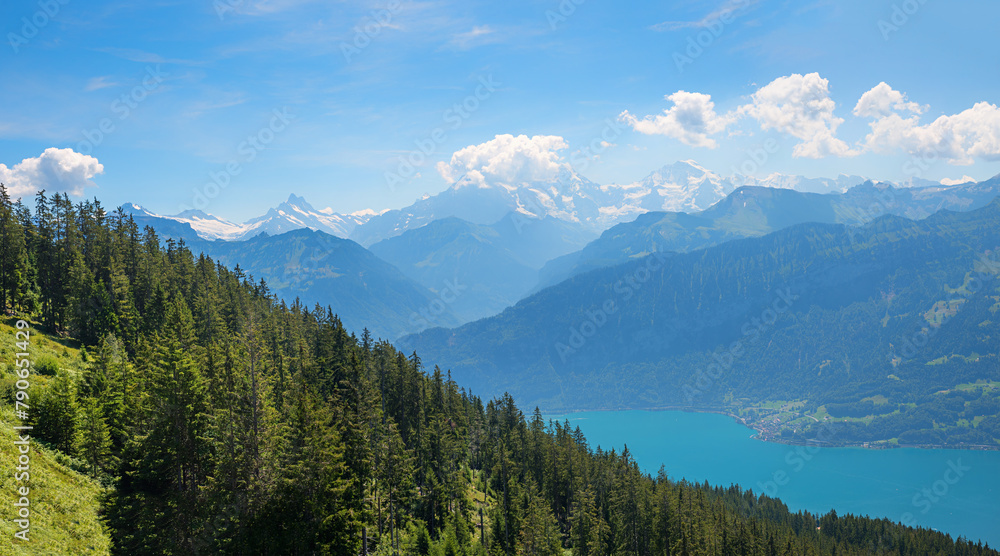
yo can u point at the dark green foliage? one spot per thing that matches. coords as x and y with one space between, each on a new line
46 365
57 413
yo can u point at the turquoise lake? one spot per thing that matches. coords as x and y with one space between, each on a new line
954 491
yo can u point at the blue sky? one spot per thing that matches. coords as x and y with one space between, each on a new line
336 94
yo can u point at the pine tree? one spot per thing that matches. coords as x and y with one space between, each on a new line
57 413
314 509
14 263
93 440
539 532
157 506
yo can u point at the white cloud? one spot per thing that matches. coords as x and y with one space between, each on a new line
959 138
508 159
959 181
727 10
800 105
882 100
55 171
102 82
691 120
479 35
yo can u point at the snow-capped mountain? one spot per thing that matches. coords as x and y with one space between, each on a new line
802 184
680 187
569 197
683 186
208 226
293 214
686 186
297 213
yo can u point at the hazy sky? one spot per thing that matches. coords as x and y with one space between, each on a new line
152 101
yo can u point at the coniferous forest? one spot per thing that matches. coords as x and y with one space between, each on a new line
221 420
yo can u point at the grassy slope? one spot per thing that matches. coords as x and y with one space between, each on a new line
64 503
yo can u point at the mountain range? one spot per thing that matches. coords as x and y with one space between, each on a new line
828 313
478 248
684 186
754 211
294 214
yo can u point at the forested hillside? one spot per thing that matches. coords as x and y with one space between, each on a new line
226 422
898 310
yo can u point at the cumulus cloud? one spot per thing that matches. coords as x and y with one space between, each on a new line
960 138
507 159
55 171
959 181
882 100
690 120
800 105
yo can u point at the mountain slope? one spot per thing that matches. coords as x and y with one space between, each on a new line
755 211
65 504
814 312
463 258
489 267
361 288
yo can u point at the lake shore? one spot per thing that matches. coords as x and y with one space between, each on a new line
714 445
765 434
